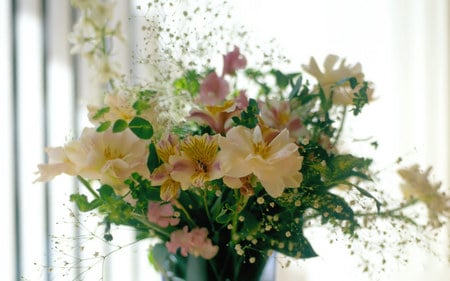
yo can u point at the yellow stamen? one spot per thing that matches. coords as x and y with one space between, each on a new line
261 148
166 148
201 149
220 108
169 190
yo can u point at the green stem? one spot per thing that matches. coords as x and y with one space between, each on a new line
387 213
150 225
88 186
390 212
185 212
208 214
214 268
341 126
240 205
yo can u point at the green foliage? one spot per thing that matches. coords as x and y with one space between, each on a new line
189 83
142 190
341 167
104 126
142 102
119 126
283 80
249 117
141 128
83 204
361 98
153 160
100 113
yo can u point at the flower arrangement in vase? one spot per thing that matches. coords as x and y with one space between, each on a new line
225 175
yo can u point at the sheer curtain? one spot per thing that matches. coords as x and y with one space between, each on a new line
403 47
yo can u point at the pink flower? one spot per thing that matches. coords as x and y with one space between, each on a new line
278 115
217 117
197 163
195 243
213 89
161 214
232 61
169 188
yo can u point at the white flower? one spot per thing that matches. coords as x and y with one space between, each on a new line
276 163
334 80
58 164
120 107
108 157
418 186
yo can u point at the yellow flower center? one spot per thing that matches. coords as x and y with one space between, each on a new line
165 149
261 148
201 149
199 178
220 108
110 154
169 190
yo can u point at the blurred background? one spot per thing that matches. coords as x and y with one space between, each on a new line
403 46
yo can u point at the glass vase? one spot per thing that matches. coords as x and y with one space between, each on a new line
226 266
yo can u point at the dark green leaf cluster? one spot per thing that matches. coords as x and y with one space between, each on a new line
249 117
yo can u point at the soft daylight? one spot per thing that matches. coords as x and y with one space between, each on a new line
223 162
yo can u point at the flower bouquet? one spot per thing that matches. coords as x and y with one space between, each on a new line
228 165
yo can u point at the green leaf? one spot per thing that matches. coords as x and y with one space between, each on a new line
104 126
325 103
330 206
296 245
83 204
283 80
249 117
344 166
367 194
360 99
153 160
141 128
100 113
353 82
189 82
296 89
106 192
253 73
140 106
119 126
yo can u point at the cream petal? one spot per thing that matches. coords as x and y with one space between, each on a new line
232 182
182 170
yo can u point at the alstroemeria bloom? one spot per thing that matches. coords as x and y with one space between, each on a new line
58 163
276 163
232 61
213 89
333 80
162 214
418 186
161 176
108 157
217 117
120 107
195 243
197 163
277 114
